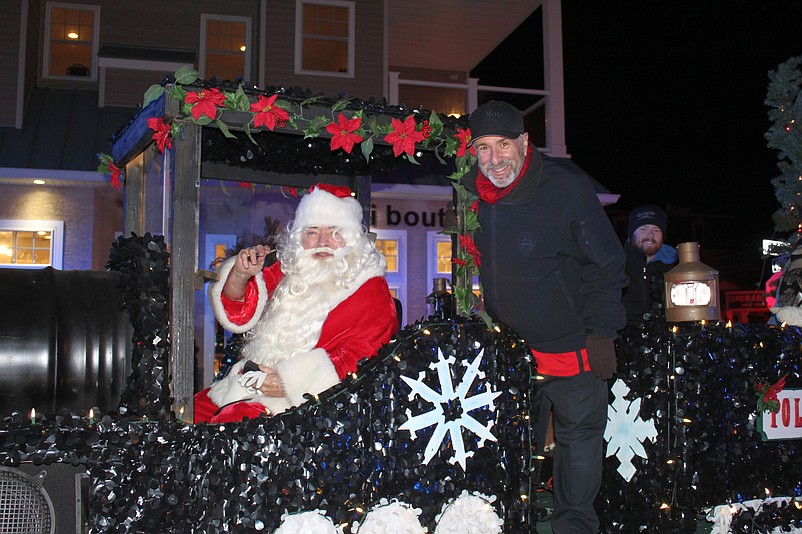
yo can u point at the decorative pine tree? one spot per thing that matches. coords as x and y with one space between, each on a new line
784 99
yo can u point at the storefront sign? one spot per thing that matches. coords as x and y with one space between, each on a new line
787 422
394 217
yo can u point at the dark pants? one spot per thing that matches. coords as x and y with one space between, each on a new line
579 407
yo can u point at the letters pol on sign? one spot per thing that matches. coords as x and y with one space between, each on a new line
786 423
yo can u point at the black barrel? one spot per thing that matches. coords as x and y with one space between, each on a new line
64 340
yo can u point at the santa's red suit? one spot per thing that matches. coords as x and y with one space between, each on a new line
361 319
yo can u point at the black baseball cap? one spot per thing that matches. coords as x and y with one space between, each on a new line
496 118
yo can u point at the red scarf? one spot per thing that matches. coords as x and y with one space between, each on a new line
490 193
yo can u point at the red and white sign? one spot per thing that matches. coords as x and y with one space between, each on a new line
787 422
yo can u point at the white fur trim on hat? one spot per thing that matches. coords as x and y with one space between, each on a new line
321 208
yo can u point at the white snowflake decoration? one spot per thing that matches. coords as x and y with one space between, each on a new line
458 401
626 431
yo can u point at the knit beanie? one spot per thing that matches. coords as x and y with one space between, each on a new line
647 214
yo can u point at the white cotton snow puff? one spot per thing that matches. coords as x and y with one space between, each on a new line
470 513
306 522
391 518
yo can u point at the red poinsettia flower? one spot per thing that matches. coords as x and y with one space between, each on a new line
466 242
267 114
115 176
464 137
343 133
292 191
246 185
205 102
404 136
474 207
162 135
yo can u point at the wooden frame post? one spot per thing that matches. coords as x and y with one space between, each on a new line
184 265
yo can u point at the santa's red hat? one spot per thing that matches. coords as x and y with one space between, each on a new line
328 205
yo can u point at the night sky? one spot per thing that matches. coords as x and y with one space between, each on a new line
665 99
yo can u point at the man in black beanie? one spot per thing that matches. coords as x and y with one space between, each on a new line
648 259
552 269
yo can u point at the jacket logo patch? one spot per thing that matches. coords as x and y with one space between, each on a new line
526 243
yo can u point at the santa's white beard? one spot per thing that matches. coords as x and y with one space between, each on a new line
295 315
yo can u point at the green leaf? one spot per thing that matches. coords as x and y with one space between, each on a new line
178 93
105 161
203 120
224 128
367 148
439 157
238 100
307 102
153 93
436 124
485 317
452 145
313 127
186 75
283 104
412 159
247 129
340 105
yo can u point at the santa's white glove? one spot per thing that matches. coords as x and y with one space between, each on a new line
253 380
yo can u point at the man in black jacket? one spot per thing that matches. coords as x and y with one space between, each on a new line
647 260
552 269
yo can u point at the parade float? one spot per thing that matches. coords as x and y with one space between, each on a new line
434 433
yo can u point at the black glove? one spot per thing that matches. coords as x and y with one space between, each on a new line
601 356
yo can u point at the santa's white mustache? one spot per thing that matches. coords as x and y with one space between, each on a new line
338 253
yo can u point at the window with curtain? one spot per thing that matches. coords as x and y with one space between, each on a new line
225 47
325 37
72 41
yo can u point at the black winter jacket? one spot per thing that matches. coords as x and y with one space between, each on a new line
552 266
646 290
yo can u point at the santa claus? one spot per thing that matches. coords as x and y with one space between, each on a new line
308 318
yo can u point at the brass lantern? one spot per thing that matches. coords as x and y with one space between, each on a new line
691 288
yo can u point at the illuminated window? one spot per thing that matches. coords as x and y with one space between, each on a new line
439 259
324 38
31 244
389 247
443 257
393 244
72 41
225 47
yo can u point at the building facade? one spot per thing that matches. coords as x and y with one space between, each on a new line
80 69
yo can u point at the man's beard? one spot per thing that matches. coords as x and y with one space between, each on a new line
311 270
649 248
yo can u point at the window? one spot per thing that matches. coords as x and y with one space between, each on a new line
324 37
31 244
214 336
225 47
72 41
393 244
439 259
